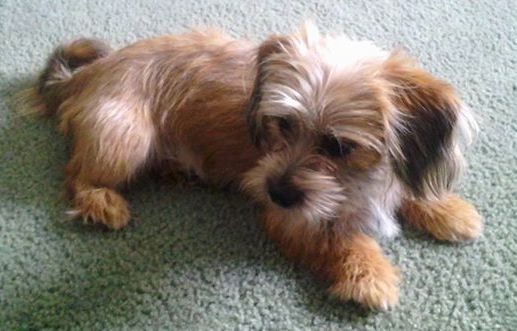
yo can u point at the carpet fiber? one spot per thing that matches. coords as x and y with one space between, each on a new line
193 258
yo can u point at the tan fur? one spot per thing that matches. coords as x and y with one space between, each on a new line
101 205
117 133
324 132
450 218
352 263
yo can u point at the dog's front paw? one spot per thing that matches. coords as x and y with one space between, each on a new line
461 222
450 219
103 206
378 293
363 274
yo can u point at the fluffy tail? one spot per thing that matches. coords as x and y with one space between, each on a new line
52 84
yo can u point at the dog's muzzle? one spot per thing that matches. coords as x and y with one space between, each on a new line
284 193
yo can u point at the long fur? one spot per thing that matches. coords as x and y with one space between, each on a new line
52 83
332 136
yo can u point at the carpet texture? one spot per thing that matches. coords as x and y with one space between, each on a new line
193 258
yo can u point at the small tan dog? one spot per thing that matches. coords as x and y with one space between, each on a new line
334 137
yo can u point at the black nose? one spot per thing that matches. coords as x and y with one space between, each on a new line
284 193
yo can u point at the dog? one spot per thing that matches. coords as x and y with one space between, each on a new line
336 138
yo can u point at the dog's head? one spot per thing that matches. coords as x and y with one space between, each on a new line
331 114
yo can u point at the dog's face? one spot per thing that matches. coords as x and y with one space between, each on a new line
336 117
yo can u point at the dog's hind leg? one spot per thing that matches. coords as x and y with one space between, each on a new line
110 146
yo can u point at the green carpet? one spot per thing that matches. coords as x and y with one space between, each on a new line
193 258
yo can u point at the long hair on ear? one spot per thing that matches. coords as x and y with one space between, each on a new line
432 126
273 45
271 56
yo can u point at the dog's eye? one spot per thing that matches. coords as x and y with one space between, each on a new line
334 148
284 125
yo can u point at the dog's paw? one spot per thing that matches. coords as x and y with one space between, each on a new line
450 219
101 206
377 291
460 221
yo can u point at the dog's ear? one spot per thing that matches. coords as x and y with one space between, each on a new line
429 121
265 52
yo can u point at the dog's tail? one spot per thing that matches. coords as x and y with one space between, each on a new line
66 59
